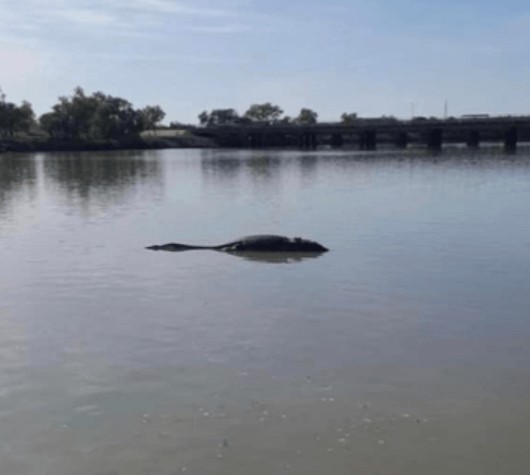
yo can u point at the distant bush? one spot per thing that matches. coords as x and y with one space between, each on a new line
98 117
13 118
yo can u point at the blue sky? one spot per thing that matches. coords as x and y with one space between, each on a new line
371 57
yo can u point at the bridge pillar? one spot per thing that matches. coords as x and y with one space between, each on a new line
402 140
256 139
510 139
276 140
368 140
308 140
434 139
371 140
473 139
337 140
361 140
314 140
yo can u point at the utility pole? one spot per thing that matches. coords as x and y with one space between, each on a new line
446 106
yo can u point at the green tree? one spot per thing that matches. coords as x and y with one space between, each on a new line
204 118
220 117
152 116
24 118
74 116
96 117
115 118
7 112
264 112
307 117
348 118
13 118
49 122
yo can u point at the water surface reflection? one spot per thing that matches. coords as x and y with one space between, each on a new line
405 349
105 177
18 185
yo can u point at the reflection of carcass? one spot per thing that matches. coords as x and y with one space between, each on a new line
270 244
277 257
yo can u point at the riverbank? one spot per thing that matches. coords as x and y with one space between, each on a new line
39 144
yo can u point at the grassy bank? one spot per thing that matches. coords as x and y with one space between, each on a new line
44 144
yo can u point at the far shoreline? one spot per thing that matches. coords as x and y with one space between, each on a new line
29 145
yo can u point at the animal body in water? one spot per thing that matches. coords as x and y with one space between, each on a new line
260 243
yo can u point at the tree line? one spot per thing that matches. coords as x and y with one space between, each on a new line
100 116
266 112
14 118
81 117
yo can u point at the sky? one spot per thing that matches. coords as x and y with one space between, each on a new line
372 57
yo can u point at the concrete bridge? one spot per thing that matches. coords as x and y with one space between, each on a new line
367 134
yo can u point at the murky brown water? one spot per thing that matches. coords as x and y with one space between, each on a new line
404 350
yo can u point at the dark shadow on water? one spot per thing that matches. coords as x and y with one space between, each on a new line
103 176
18 178
255 256
225 168
277 257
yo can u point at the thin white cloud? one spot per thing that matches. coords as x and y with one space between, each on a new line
178 58
216 29
181 8
87 17
33 18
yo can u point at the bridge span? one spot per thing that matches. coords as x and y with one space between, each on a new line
367 134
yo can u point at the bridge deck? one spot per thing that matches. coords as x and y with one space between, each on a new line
369 131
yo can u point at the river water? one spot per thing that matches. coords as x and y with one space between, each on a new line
404 350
